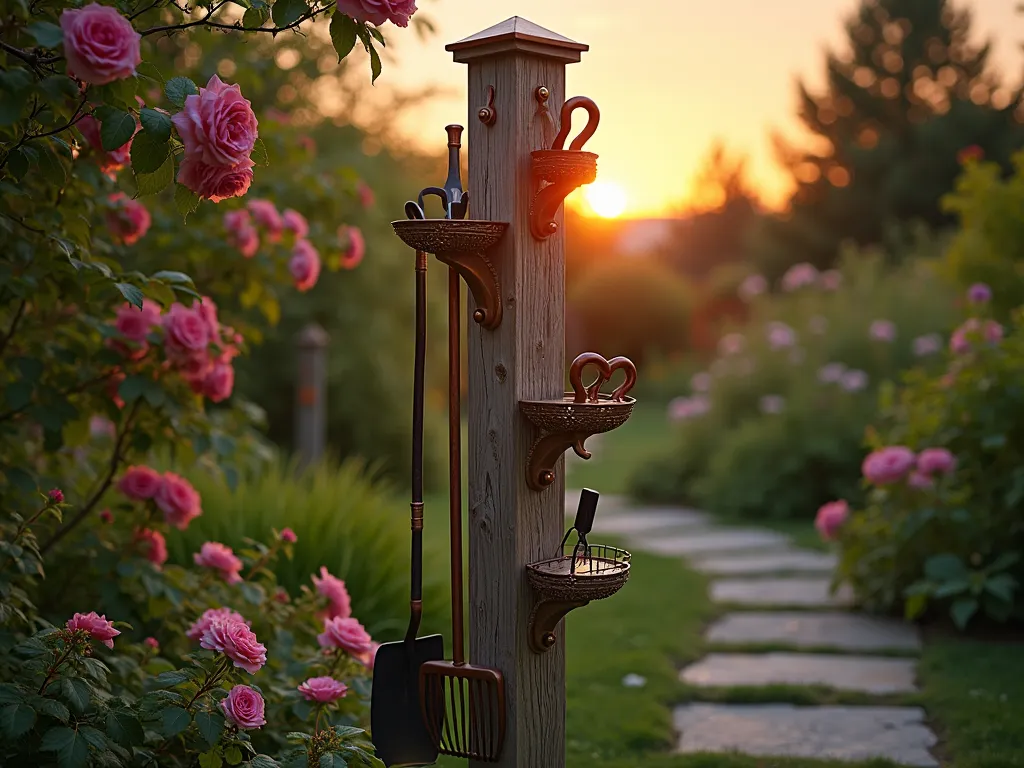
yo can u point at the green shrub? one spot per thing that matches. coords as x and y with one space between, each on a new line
345 518
958 544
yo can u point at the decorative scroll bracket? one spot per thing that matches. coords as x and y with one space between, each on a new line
544 619
482 279
540 462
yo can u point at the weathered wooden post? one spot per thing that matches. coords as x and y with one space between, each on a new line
522 359
311 394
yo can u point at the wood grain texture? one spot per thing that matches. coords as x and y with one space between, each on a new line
510 525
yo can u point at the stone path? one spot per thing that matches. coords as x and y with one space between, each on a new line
779 597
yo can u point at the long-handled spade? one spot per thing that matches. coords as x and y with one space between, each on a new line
399 732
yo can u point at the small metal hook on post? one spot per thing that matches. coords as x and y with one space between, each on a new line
542 94
487 114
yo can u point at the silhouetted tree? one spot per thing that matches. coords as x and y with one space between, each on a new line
909 95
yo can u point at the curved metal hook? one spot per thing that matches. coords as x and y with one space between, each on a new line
615 364
436 192
566 123
576 375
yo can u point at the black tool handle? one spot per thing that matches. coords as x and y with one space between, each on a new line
453 184
586 512
416 598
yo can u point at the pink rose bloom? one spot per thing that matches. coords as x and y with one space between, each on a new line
100 44
266 215
366 196
246 240
831 373
218 382
853 381
368 658
152 642
398 12
109 162
217 125
56 496
979 293
753 285
186 329
333 588
683 408
731 344
107 516
918 479
221 558
235 221
323 690
215 182
304 265
139 483
882 330
353 246
347 634
830 519
831 279
198 629
296 222
101 426
798 276
129 220
780 335
888 465
97 626
700 382
193 367
244 707
134 323
288 536
236 641
281 595
772 404
963 337
928 344
936 461
178 500
153 546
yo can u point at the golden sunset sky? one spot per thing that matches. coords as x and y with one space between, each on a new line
670 76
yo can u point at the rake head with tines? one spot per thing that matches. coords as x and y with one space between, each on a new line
464 708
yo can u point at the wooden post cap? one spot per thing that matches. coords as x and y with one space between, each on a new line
517 34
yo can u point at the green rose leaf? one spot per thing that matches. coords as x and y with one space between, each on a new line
116 127
185 200
9 694
149 152
131 294
46 34
156 123
259 153
149 70
76 693
377 36
286 12
158 180
169 276
16 720
178 89
264 761
962 610
54 709
210 759
255 17
15 89
343 34
233 755
211 726
70 746
176 677
174 720
375 65
945 567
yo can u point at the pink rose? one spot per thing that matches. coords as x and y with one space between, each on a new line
178 500
100 44
882 330
731 344
139 483
752 285
979 293
134 323
367 659
101 426
288 536
107 516
246 240
153 546
928 344
798 276
128 221
193 367
215 182
221 558
323 690
780 335
398 12
333 588
186 328
97 626
244 707
347 634
56 496
830 519
236 641
304 265
296 222
366 196
972 330
888 465
198 629
918 479
353 246
217 125
831 279
109 162
218 382
266 216
152 642
936 461
235 221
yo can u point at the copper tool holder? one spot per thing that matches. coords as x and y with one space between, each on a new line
560 590
567 424
462 244
557 172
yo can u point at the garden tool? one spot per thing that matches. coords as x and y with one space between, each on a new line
463 705
399 732
586 511
458 200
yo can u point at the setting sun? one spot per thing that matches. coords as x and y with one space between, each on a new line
605 199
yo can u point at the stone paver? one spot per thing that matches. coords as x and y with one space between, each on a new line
842 631
716 540
780 592
867 674
647 520
789 561
783 730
